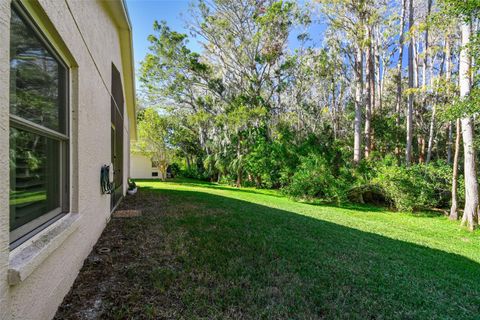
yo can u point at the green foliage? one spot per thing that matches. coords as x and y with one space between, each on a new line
154 137
195 173
416 187
174 169
467 9
376 181
314 179
131 184
249 112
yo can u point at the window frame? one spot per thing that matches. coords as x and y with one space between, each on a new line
28 230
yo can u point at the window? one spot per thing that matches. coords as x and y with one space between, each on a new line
154 174
38 130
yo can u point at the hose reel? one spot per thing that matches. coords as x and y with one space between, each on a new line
106 179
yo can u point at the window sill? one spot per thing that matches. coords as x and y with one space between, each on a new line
28 256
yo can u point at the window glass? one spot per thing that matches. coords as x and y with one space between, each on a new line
34 176
37 79
38 106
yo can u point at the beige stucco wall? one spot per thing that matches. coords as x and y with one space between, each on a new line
141 167
39 295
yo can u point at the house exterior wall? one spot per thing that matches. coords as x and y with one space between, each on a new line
141 168
88 36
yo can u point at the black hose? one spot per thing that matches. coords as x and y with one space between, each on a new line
106 186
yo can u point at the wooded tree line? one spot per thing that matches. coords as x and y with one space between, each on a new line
372 107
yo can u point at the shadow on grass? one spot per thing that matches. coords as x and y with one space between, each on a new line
212 185
425 213
198 255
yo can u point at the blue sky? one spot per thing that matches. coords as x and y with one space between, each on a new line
144 12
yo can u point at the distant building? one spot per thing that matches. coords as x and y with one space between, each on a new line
141 167
67 107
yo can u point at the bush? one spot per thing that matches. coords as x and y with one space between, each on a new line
369 193
416 187
174 169
194 173
314 179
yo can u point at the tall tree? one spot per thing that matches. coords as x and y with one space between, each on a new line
470 213
408 149
358 69
370 89
454 205
356 19
398 98
427 86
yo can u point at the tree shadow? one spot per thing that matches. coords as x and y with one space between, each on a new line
365 207
237 259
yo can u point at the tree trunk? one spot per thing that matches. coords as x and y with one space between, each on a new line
239 177
448 76
357 151
370 98
416 62
421 148
408 149
431 133
426 70
449 142
470 213
372 86
426 58
334 110
259 181
239 168
378 73
163 171
453 208
398 105
187 158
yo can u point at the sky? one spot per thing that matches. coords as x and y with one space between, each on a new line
144 12
175 12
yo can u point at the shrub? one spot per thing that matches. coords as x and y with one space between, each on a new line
174 169
314 179
194 173
416 187
369 193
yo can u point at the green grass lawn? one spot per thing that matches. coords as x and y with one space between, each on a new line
214 252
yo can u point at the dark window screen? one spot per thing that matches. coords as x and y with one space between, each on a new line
117 104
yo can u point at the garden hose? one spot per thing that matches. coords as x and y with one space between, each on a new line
105 184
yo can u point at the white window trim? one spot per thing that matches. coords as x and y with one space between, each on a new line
44 240
23 233
24 259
